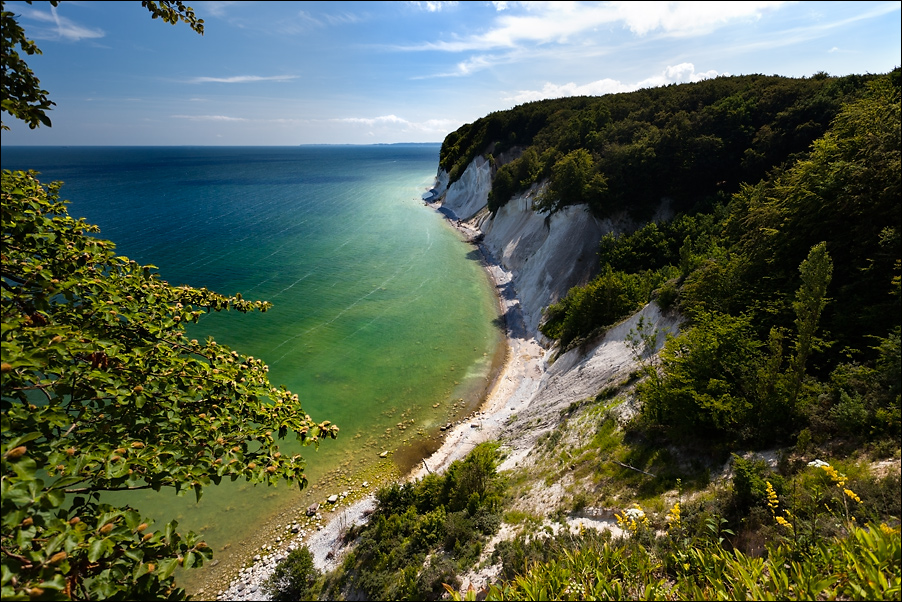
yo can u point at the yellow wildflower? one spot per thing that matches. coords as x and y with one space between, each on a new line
888 530
852 495
632 519
673 517
836 477
783 522
772 501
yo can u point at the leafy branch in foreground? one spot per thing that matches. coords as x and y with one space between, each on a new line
103 391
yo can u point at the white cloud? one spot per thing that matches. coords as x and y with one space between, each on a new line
475 63
433 7
63 28
565 22
323 20
208 118
373 120
676 74
242 79
686 18
430 125
217 9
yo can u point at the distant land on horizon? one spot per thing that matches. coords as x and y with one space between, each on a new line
220 146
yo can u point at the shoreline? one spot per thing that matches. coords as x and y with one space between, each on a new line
512 386
518 376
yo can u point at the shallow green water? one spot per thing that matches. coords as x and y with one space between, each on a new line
380 311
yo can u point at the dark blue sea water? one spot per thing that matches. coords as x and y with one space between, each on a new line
381 315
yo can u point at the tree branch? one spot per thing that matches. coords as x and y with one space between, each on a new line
93 489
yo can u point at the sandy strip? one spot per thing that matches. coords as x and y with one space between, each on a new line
517 382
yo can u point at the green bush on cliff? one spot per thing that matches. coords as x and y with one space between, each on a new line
444 518
294 578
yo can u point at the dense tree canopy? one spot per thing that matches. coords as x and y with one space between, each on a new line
626 151
810 254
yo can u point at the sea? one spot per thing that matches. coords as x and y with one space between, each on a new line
383 320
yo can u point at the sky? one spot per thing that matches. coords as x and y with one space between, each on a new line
289 73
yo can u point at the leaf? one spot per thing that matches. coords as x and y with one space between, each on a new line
55 497
16 442
99 548
57 582
166 568
25 467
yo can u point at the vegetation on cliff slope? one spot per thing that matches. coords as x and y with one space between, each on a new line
423 534
784 256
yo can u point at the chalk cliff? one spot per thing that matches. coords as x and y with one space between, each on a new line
546 254
535 258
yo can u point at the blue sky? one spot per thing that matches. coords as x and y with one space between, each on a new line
287 73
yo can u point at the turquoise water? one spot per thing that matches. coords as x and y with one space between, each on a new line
380 311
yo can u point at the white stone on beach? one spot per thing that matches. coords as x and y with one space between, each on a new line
332 498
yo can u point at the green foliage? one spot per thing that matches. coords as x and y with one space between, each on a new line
611 296
23 97
709 383
865 565
717 376
518 175
102 391
687 142
173 12
443 517
574 181
857 402
633 267
750 478
294 578
845 193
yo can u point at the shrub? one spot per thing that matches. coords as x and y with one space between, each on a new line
294 578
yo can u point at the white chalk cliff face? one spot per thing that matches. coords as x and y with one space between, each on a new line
546 254
470 194
543 256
